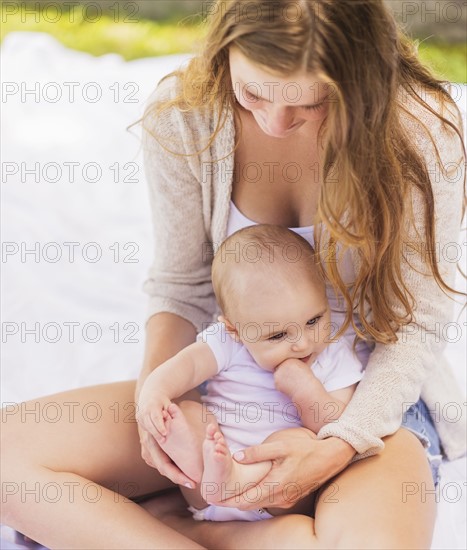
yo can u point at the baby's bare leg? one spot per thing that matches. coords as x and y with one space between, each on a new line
186 425
196 445
223 477
210 461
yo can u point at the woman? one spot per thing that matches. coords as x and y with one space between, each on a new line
301 114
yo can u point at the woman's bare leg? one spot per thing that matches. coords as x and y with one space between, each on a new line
68 463
373 504
385 501
290 532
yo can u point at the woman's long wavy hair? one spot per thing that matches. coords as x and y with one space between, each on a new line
357 46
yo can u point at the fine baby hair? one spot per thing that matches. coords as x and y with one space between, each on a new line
270 252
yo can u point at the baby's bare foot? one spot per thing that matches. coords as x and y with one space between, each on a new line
181 444
218 466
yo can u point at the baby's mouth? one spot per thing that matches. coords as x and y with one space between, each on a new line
305 359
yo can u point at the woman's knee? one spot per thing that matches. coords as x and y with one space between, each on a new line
293 532
71 432
11 435
390 537
364 506
13 464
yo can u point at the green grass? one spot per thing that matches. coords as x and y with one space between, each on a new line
448 61
131 40
150 38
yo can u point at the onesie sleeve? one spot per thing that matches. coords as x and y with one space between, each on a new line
338 366
220 342
179 279
396 373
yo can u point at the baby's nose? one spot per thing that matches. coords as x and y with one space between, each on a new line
301 343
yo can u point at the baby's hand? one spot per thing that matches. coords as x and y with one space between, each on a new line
152 415
292 375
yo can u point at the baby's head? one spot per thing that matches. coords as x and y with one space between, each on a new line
271 292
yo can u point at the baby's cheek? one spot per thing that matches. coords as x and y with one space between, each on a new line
258 356
270 365
268 361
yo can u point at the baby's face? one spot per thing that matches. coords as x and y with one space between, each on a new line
276 323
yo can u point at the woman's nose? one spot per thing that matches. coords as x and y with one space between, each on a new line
279 120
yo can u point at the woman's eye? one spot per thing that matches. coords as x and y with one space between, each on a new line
249 96
312 107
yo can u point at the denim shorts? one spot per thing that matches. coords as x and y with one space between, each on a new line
417 420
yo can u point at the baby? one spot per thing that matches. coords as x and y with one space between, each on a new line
270 364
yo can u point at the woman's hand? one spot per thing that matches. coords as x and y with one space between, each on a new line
300 466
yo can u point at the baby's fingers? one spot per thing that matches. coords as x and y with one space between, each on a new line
159 422
153 424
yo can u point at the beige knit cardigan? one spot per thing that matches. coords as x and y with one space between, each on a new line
190 198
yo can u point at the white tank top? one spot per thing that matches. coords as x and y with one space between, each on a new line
237 221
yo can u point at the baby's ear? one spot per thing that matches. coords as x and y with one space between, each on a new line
229 327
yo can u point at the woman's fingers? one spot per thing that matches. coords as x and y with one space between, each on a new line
290 478
272 492
259 453
146 423
268 492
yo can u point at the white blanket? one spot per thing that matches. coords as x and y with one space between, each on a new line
76 231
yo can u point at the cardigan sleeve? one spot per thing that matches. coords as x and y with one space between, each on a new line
179 279
396 372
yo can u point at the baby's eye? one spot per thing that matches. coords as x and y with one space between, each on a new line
313 321
276 337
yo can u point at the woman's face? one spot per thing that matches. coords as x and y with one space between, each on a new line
280 106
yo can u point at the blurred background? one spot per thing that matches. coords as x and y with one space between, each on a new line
146 28
75 219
